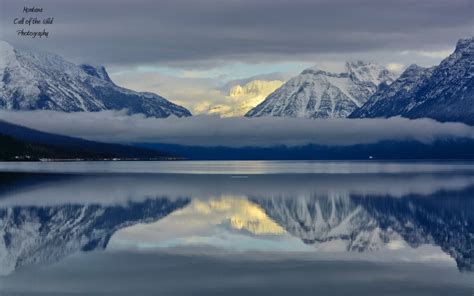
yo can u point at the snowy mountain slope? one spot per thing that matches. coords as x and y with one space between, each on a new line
44 81
444 92
396 98
320 94
40 235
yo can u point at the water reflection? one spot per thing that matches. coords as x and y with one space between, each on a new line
41 235
365 223
416 216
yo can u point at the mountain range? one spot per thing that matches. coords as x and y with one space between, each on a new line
36 81
444 92
31 80
367 90
44 81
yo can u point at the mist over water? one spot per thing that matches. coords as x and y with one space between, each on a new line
205 131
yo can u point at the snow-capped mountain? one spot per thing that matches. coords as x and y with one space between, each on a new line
320 94
41 235
444 92
44 81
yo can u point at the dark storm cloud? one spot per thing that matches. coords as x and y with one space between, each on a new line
210 31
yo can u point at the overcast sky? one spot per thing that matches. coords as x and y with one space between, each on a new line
210 32
176 42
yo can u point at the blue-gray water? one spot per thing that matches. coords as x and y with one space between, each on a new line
232 228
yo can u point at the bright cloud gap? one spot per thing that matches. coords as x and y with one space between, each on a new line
118 127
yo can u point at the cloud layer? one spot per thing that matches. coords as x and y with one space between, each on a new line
211 32
112 126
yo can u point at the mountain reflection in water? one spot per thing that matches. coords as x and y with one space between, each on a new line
45 218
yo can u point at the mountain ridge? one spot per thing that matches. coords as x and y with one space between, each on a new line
317 93
444 92
32 80
22 143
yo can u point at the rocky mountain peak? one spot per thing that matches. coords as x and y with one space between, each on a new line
96 71
465 45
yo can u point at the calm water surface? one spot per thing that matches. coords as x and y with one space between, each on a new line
233 228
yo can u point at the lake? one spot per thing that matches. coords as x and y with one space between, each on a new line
237 228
